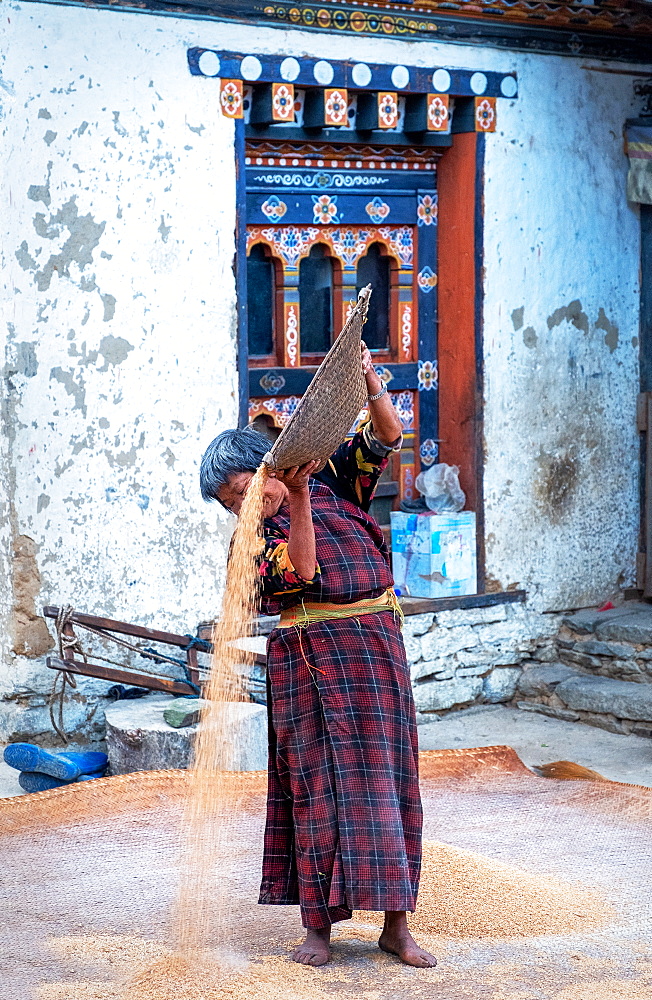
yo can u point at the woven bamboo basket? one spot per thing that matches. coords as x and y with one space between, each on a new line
331 403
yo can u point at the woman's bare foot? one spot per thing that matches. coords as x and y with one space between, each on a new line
315 950
397 940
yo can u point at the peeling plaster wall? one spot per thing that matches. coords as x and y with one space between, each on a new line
117 220
561 324
117 235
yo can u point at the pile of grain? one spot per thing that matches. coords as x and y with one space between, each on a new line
463 894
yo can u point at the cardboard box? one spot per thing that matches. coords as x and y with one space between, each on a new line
434 555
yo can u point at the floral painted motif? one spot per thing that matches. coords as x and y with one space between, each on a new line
437 112
377 209
429 451
404 406
485 114
271 383
291 242
321 179
324 207
427 375
426 279
407 481
406 331
291 335
427 210
280 409
387 110
283 102
252 235
274 208
360 420
336 105
349 244
401 243
231 98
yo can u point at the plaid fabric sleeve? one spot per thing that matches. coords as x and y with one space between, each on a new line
277 571
354 469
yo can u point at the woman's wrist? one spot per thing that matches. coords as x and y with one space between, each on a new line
374 383
299 493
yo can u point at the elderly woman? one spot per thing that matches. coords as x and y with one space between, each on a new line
343 810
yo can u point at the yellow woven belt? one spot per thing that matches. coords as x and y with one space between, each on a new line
305 614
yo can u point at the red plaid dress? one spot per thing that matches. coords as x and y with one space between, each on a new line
343 826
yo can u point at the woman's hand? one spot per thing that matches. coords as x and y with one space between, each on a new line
365 357
296 478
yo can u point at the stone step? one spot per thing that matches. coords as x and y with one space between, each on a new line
630 622
603 695
537 681
562 692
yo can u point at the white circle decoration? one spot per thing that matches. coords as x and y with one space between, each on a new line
361 75
323 72
441 80
290 69
508 86
209 63
400 77
251 68
478 83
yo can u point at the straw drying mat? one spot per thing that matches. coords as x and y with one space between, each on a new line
533 889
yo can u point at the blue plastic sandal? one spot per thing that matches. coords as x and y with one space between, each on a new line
66 766
35 781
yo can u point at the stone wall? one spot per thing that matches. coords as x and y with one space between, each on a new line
600 671
473 655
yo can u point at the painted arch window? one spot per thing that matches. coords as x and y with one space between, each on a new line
320 288
316 273
261 297
375 269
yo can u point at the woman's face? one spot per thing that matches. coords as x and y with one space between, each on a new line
233 493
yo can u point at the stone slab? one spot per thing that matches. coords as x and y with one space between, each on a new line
603 695
636 628
587 620
564 714
596 648
435 696
537 681
500 685
139 739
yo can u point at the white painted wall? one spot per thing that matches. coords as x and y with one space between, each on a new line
118 212
116 224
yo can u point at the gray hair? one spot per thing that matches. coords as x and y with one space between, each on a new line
229 454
